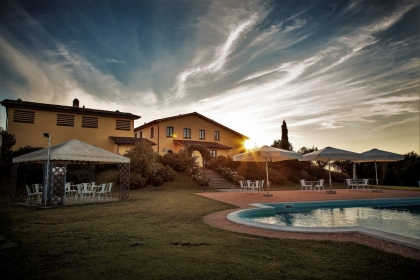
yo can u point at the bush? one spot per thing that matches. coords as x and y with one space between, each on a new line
146 167
137 181
203 182
338 176
275 177
180 162
167 173
156 181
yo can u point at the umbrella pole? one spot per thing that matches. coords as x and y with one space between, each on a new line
268 183
376 177
329 175
354 171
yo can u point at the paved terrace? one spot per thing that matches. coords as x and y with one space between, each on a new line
243 201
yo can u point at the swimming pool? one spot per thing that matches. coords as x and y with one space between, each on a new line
396 220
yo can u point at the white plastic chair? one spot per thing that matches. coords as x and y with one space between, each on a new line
319 185
109 191
350 184
70 192
243 186
30 196
250 186
365 184
102 191
37 190
87 191
259 186
304 185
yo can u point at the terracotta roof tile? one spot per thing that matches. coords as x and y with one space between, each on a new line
67 109
129 140
186 115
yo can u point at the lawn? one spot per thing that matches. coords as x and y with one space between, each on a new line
159 233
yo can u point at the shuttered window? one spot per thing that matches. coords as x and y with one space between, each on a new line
65 120
89 122
24 116
123 125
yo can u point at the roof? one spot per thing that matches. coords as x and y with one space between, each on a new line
187 115
208 145
65 109
129 140
73 150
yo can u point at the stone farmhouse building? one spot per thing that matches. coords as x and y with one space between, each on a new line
109 130
175 133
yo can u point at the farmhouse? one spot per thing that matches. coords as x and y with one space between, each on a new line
109 130
175 133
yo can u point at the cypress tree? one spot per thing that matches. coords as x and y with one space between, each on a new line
284 143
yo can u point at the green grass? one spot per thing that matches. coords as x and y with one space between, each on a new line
159 233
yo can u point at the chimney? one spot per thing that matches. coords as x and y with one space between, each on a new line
76 103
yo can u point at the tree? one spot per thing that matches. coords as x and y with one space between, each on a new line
345 166
284 142
407 171
7 141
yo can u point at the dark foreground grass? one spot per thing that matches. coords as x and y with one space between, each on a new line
160 234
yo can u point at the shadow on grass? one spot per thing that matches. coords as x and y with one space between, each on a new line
159 233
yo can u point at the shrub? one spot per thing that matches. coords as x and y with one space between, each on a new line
275 177
156 181
137 181
203 182
167 173
180 162
146 167
338 176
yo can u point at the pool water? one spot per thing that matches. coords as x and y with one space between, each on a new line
402 220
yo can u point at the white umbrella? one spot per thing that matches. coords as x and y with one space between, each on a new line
265 154
376 155
328 154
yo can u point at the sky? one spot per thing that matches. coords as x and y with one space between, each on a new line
342 73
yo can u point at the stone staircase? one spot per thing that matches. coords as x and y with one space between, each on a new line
217 181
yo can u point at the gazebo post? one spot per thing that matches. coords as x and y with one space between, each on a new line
124 180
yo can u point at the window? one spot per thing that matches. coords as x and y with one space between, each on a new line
89 122
24 116
123 125
152 132
141 134
202 134
216 136
213 153
135 135
65 120
187 132
169 131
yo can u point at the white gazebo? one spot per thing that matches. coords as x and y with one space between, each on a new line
55 160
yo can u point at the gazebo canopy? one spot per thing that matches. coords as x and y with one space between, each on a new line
73 150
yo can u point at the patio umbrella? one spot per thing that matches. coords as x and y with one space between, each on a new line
329 154
376 155
265 154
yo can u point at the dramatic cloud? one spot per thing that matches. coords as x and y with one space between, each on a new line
332 70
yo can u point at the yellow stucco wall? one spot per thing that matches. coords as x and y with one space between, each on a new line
46 122
195 123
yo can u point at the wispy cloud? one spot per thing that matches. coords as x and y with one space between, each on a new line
115 61
323 67
391 124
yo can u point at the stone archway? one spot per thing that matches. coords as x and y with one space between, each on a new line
205 153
